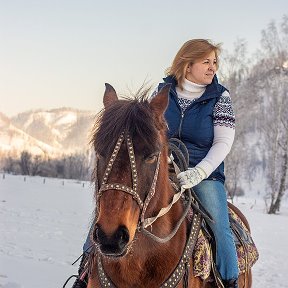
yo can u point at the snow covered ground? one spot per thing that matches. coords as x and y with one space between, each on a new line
43 227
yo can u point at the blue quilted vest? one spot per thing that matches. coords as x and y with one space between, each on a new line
194 126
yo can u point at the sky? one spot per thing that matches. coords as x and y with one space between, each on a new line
60 53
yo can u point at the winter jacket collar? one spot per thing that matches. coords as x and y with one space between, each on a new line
213 90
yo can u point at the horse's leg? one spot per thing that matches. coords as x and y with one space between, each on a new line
245 279
249 276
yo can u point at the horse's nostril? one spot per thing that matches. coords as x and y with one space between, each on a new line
112 244
122 235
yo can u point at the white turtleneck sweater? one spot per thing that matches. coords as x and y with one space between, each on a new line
224 124
191 91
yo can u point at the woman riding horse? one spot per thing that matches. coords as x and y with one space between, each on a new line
198 111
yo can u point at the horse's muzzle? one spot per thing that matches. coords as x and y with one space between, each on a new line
114 245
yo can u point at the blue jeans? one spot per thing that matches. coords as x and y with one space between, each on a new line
213 197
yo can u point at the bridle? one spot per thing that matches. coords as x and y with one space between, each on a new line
105 186
143 222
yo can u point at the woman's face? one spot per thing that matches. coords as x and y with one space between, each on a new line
203 70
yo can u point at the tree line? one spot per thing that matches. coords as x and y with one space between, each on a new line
77 166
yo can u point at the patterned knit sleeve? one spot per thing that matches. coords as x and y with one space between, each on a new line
223 114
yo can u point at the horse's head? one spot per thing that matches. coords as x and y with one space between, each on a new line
130 144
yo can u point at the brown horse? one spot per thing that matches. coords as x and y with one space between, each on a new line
132 185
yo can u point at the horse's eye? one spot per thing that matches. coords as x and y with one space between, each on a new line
151 159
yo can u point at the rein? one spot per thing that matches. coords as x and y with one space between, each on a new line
162 212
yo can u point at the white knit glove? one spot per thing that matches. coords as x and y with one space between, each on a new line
191 177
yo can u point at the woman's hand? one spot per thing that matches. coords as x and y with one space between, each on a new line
191 177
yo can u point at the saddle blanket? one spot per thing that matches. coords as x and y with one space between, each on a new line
246 249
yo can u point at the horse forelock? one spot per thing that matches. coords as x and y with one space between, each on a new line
132 115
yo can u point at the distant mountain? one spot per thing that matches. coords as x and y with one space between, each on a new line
53 132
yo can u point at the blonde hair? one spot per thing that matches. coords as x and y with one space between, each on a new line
189 53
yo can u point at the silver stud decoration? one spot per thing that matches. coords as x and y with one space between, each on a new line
113 157
152 190
103 278
178 273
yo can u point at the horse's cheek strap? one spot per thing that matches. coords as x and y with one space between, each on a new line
151 192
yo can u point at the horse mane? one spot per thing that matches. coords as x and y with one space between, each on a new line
131 114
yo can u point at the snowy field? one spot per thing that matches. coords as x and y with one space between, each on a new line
43 227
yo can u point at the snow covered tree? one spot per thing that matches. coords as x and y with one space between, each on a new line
233 74
273 89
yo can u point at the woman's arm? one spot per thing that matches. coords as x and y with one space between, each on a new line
224 132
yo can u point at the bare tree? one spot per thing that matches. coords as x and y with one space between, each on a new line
25 163
274 111
234 76
11 165
36 165
76 166
275 133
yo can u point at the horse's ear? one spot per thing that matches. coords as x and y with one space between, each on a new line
159 102
110 95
